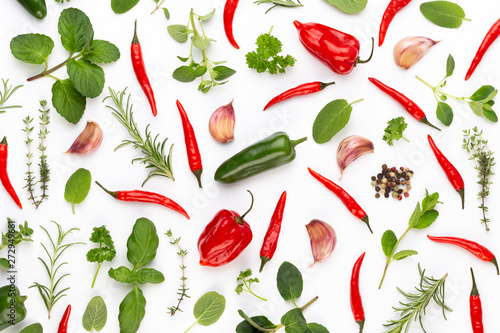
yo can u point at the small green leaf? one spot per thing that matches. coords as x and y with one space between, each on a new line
121 274
404 254
149 275
166 13
430 201
289 280
4 263
201 43
142 243
427 219
261 321
444 113
102 52
123 6
132 310
184 74
209 308
389 241
483 94
200 71
75 29
223 72
208 16
182 59
331 119
349 6
490 115
77 187
88 78
31 48
178 32
67 101
33 328
415 216
294 321
95 315
443 13
477 108
316 328
450 66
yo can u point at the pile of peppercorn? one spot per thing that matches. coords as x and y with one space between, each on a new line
393 180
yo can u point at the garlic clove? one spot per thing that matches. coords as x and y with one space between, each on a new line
350 149
221 123
323 239
411 49
88 141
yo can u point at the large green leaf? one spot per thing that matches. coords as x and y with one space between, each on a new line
102 52
87 78
289 280
349 6
31 48
123 6
209 308
142 243
67 101
95 315
75 30
132 311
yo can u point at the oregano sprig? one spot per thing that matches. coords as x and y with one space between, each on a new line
182 291
6 94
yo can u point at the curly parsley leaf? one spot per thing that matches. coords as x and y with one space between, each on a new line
244 282
267 58
394 130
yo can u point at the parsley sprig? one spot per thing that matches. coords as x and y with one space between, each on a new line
106 250
244 282
394 130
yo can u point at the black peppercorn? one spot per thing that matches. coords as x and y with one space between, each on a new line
377 188
377 195
386 194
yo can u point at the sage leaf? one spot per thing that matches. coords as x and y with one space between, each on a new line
484 94
121 274
102 52
349 6
445 14
490 115
184 74
209 308
178 32
31 48
427 219
294 321
450 66
123 6
4 263
87 78
261 321
316 328
77 187
149 275
67 101
404 254
444 113
95 315
75 29
132 310
331 119
289 280
389 241
142 243
415 216
223 72
33 328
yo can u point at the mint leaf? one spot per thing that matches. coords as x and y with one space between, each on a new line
415 216
430 201
349 6
427 219
123 6
75 29
444 113
209 308
87 78
95 315
404 254
178 32
316 328
294 321
443 13
67 101
77 187
389 241
289 280
102 52
31 48
331 119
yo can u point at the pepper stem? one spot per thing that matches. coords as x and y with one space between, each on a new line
4 141
365 219
293 143
197 173
323 85
135 40
358 61
474 291
461 192
264 261
425 121
111 193
239 219
494 262
361 324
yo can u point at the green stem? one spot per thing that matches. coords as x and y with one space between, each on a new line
97 272
158 6
251 292
293 301
390 256
190 327
436 90
53 69
405 139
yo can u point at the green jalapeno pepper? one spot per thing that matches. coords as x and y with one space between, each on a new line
37 8
268 153
12 308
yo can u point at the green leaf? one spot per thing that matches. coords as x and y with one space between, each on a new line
331 119
223 72
430 201
208 16
483 94
4 263
87 78
394 130
201 43
444 113
294 321
184 74
67 101
31 48
123 6
77 187
266 57
166 13
316 328
121 274
490 115
95 315
443 13
289 280
477 108
132 311
75 30
200 71
246 327
102 52
182 59
349 6
149 275
450 66
209 308
427 219
415 216
142 243
178 32
389 241
404 254
33 328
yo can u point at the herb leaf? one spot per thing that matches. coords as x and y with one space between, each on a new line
404 254
142 243
106 250
267 58
444 113
33 328
222 73
294 321
316 328
389 241
331 119
95 315
148 275
184 74
261 321
178 32
349 6
77 187
32 48
87 78
394 130
443 13
121 274
209 308
132 311
244 283
123 6
450 66
289 280
484 94
67 101
75 29
415 216
427 219
102 52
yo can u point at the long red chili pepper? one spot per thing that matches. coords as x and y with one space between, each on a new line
392 9
489 38
346 199
356 304
193 152
413 109
451 172
4 177
140 70
476 310
476 249
303 89
229 9
273 232
144 196
63 325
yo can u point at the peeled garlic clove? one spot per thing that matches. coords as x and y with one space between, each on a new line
350 149
221 123
88 141
323 239
411 49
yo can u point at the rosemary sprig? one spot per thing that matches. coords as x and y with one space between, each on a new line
155 158
50 295
428 289
282 3
182 290
5 95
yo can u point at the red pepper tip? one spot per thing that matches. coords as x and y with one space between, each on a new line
297 24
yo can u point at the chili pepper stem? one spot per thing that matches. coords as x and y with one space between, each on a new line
361 324
239 219
365 219
425 121
293 143
324 85
135 39
461 192
358 61
494 262
474 291
197 173
111 193
264 261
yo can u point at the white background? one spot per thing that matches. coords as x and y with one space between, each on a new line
307 199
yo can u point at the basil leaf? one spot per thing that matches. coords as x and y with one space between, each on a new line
102 52
349 6
132 311
75 30
77 187
67 101
178 32
87 78
331 119
477 108
142 243
121 274
289 280
31 48
444 113
415 216
427 219
404 254
184 74
166 13
389 241
443 13
123 6
450 66
4 263
33 328
490 115
316 328
95 315
223 73
149 275
261 321
209 308
294 321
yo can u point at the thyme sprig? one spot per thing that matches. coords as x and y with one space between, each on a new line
429 289
475 144
6 94
154 157
182 290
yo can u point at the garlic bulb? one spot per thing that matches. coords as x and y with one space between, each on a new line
88 141
323 239
411 49
350 149
221 123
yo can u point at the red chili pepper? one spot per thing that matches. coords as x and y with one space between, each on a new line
476 249
489 38
451 172
392 9
476 310
346 199
4 177
413 109
193 152
336 49
63 325
229 9
140 70
356 304
273 232
224 238
303 89
144 196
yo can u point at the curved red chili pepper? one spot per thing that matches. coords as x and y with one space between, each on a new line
392 9
413 109
63 325
451 172
229 9
476 310
140 70
476 249
489 38
303 89
273 232
356 302
4 176
193 153
346 199
144 196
